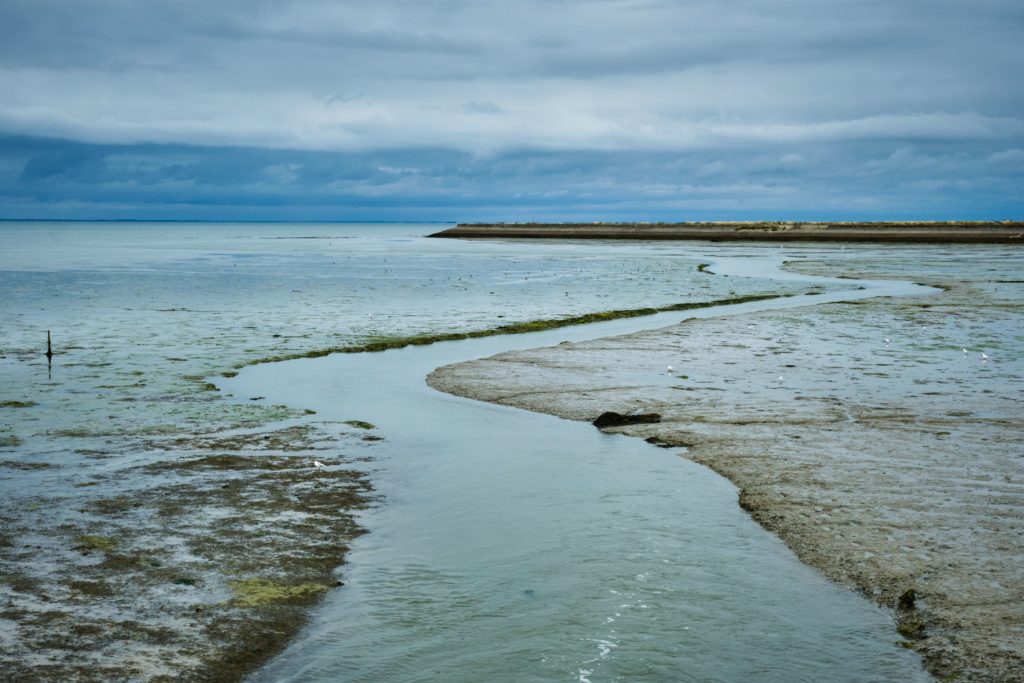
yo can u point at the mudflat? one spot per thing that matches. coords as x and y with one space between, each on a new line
879 439
935 232
197 567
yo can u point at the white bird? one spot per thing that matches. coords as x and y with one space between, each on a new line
964 350
886 341
317 464
670 369
984 357
780 378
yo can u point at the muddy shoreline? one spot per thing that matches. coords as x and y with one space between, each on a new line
912 498
198 563
176 556
1005 232
188 553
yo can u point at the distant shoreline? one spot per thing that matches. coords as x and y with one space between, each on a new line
932 232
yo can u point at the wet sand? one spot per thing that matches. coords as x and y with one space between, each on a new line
189 554
894 467
932 232
197 566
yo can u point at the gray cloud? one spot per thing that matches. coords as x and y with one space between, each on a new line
594 101
561 74
933 179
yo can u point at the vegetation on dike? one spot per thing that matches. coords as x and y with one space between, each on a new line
385 343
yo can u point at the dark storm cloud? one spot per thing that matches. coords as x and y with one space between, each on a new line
929 180
565 105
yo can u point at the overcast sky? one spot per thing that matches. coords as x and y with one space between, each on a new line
485 110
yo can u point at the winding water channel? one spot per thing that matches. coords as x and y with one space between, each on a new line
513 546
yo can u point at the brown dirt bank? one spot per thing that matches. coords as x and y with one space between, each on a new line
892 467
1010 232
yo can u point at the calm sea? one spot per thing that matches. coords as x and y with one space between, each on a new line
507 546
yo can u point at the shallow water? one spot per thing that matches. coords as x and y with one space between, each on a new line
141 313
508 546
516 546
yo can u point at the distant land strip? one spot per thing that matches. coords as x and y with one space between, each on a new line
935 232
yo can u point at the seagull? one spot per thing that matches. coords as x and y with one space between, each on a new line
964 349
886 341
670 369
317 464
984 357
780 378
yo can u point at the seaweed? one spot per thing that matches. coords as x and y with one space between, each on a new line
17 404
256 592
385 343
90 542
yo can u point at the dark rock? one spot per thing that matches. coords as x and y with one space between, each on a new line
910 627
612 419
909 622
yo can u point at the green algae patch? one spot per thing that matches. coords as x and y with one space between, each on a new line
257 592
18 465
116 506
376 344
19 582
291 439
145 430
96 589
89 542
229 373
360 424
224 462
17 404
74 433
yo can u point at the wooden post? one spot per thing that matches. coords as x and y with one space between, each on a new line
49 348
